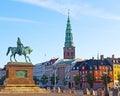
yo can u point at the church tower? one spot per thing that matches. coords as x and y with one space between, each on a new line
69 49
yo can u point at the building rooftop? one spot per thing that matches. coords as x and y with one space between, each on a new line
64 61
92 64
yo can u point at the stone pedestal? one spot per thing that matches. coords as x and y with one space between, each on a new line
19 73
20 79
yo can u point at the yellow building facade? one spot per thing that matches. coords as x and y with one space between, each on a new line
116 72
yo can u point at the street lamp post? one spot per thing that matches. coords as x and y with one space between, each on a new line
55 78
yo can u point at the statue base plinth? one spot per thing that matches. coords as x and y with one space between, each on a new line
19 73
20 79
22 88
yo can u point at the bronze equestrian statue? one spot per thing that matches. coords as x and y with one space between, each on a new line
20 50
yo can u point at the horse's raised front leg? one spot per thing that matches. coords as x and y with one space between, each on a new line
28 58
25 58
11 58
15 58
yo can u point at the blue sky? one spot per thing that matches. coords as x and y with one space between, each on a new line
41 24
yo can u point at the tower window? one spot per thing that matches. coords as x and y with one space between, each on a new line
68 53
71 53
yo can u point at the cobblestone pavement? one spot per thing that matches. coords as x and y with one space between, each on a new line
40 94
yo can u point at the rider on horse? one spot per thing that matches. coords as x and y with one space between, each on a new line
20 50
19 46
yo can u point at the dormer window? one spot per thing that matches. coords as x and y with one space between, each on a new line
73 68
95 67
83 67
101 63
77 67
90 68
113 61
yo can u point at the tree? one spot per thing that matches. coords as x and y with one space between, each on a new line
2 80
90 79
35 79
106 79
52 79
64 81
77 80
44 79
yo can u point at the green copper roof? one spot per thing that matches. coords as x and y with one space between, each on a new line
68 37
64 61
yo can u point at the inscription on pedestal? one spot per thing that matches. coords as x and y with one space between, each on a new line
21 74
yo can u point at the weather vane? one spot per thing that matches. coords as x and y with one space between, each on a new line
68 12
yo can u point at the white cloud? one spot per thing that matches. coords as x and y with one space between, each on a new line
77 9
56 6
17 20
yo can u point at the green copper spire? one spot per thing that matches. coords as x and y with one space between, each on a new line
68 37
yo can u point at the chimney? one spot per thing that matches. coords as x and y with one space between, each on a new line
92 58
102 57
113 56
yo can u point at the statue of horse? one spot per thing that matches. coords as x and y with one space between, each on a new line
14 50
